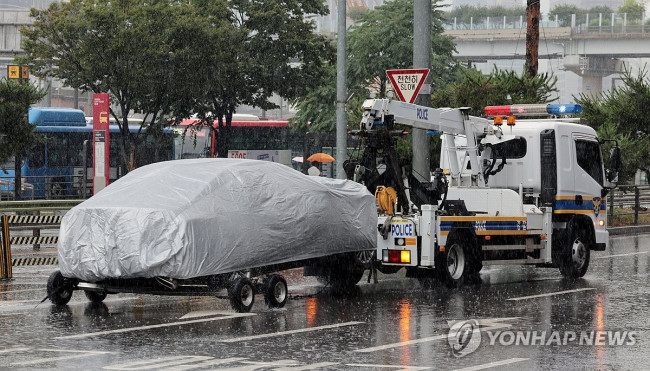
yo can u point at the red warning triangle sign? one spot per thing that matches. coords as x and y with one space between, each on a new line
407 83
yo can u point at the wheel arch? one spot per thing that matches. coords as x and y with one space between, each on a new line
583 222
462 230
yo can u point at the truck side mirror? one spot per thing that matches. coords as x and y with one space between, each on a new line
614 164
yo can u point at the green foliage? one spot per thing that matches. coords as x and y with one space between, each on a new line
602 9
633 149
464 13
382 40
16 134
121 47
564 13
277 52
622 115
633 9
477 90
172 58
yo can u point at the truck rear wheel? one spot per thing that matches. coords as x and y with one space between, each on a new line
575 255
241 294
453 267
458 261
275 291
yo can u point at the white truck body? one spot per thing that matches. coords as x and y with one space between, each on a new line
545 205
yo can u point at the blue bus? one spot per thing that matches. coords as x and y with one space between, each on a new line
55 168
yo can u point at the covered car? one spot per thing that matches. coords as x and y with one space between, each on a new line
191 218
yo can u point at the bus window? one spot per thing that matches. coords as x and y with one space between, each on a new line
36 156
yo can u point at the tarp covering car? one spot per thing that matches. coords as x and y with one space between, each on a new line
191 218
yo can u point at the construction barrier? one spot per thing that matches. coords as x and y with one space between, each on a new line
28 222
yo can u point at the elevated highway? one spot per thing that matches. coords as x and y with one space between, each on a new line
592 49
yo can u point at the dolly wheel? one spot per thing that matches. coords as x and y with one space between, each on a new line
59 289
275 291
95 296
241 294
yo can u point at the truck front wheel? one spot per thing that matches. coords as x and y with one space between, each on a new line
575 255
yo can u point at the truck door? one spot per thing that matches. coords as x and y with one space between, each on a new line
588 173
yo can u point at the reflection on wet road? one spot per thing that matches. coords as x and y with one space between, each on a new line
516 318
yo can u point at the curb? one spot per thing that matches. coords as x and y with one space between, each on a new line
631 230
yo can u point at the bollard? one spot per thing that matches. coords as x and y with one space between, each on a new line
5 258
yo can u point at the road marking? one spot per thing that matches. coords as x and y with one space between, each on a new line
178 363
24 290
400 344
490 323
205 313
141 328
552 293
252 366
306 367
399 368
13 350
212 362
493 364
617 255
282 333
81 354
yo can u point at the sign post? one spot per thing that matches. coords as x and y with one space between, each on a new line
407 83
101 142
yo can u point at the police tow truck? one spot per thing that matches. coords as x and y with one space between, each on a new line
528 192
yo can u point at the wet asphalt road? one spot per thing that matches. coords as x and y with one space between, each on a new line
519 318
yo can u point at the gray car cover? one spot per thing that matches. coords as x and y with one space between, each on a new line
200 217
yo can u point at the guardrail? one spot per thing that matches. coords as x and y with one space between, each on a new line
628 205
26 215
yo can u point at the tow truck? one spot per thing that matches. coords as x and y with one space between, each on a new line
531 192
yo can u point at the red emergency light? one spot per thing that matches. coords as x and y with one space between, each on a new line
533 110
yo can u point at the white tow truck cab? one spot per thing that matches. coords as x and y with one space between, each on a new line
526 192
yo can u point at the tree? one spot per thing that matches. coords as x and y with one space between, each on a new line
500 87
564 13
625 109
131 49
277 53
16 134
634 10
381 40
464 13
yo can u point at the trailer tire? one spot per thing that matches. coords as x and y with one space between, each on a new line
95 296
59 289
241 294
575 254
275 291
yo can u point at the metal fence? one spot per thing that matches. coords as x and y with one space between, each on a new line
629 205
613 23
68 187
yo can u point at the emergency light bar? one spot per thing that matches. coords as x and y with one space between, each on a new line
533 110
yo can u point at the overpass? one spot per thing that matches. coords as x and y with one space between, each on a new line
593 49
